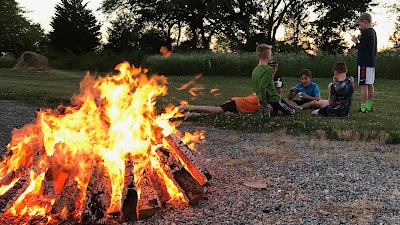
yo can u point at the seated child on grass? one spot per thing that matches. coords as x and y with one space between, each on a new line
265 96
308 91
341 93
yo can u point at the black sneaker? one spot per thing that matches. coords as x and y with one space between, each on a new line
359 110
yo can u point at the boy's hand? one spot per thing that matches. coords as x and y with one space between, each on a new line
303 95
354 39
292 89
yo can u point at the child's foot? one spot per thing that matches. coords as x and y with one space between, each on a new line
363 111
191 115
183 108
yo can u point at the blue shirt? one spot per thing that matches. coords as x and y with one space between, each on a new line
311 90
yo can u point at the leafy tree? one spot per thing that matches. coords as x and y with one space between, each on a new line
17 34
75 28
395 37
124 34
334 18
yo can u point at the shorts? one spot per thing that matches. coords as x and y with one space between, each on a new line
329 111
229 105
300 102
283 107
366 75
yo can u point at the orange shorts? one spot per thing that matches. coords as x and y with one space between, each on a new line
250 103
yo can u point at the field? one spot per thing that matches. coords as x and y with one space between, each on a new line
49 89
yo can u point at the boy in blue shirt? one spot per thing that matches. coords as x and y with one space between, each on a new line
308 91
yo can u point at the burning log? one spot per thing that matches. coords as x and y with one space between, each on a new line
65 204
189 159
176 172
148 201
129 194
8 198
9 177
98 196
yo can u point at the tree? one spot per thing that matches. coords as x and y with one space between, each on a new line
17 34
75 28
335 17
124 34
395 37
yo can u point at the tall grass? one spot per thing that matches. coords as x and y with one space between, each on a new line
218 64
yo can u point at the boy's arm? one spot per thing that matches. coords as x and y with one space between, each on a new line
266 82
292 93
366 41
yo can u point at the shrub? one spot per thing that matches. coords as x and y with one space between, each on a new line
7 61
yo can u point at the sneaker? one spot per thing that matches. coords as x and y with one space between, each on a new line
300 107
287 109
359 110
190 115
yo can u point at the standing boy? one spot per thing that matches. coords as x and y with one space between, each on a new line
366 44
341 93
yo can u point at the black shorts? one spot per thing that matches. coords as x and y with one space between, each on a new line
283 107
329 111
229 105
300 102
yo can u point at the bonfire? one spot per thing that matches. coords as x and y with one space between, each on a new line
110 157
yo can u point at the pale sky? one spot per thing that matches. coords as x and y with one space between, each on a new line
41 11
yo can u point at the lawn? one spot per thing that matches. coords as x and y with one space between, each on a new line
49 89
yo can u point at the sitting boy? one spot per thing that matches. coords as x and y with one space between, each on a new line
277 78
265 96
308 91
341 93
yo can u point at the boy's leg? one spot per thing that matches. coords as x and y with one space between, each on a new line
370 96
207 109
323 103
310 104
291 103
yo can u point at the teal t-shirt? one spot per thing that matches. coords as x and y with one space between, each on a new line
311 90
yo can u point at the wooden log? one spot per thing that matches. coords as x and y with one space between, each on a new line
188 158
181 177
9 177
65 205
98 196
129 194
10 196
148 201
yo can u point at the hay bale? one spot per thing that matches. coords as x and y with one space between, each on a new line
32 61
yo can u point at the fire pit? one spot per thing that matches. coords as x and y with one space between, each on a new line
108 158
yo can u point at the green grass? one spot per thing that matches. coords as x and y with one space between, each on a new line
49 89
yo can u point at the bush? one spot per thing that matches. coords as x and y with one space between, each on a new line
7 61
103 61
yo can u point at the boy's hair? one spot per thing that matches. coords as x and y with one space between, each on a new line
340 67
262 50
365 17
306 72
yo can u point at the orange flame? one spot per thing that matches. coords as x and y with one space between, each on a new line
165 52
114 117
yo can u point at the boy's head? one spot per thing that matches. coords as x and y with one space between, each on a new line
264 52
274 64
305 77
339 68
364 21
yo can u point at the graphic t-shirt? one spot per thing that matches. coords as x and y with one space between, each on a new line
311 90
341 95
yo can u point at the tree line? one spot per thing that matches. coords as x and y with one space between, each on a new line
145 25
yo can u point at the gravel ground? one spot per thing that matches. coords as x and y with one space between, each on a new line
308 180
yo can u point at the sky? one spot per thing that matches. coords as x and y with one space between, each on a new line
41 11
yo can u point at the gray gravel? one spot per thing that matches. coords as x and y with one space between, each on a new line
310 180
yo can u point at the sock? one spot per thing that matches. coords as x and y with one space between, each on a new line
369 105
363 106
